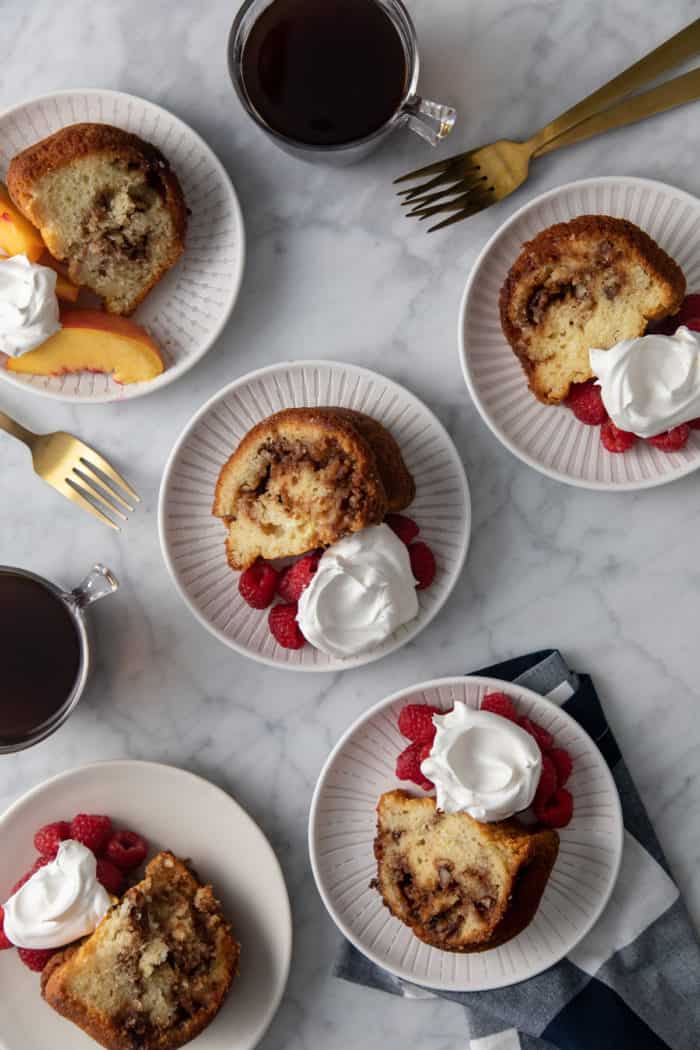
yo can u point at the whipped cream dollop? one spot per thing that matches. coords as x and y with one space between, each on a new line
28 305
650 384
482 764
362 591
60 903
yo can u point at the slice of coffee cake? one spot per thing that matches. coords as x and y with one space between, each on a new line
155 971
590 282
460 885
301 479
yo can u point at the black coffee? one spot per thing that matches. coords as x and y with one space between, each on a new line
324 72
40 656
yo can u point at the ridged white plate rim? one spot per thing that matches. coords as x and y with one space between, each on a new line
195 791
463 340
533 966
421 621
176 371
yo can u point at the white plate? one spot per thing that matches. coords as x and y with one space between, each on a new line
549 438
342 824
186 311
174 810
193 541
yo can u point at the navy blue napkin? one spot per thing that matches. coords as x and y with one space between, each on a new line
633 983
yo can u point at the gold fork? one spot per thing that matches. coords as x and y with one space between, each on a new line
75 470
478 178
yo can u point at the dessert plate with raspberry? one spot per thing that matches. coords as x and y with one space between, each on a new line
314 515
598 264
471 890
116 831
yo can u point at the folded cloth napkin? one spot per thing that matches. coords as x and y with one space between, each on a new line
633 983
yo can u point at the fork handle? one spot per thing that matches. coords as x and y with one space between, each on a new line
11 426
682 46
676 92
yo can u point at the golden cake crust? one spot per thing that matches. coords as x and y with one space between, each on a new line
588 282
82 140
396 477
32 171
299 480
167 936
460 885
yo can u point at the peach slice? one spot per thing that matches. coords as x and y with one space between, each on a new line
17 235
90 341
65 289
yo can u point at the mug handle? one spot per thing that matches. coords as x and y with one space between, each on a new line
98 583
433 121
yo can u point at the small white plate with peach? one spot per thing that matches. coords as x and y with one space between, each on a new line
109 349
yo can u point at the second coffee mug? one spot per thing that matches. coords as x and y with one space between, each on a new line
46 651
330 79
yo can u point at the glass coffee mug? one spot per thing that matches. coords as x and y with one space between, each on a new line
329 80
45 657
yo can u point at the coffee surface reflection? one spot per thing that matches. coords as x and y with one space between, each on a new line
324 72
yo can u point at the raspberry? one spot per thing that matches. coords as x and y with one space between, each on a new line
586 402
416 722
126 849
110 876
694 424
557 810
92 830
40 862
543 738
666 326
689 311
405 528
500 704
36 958
48 838
548 781
257 584
562 763
422 564
693 323
4 942
408 764
614 439
671 440
294 580
283 625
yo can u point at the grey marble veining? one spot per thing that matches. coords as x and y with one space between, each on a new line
335 271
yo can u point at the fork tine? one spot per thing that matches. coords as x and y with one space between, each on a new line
464 186
107 469
73 493
98 478
449 164
455 204
466 213
86 484
439 165
439 180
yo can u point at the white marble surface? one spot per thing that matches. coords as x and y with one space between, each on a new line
335 271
